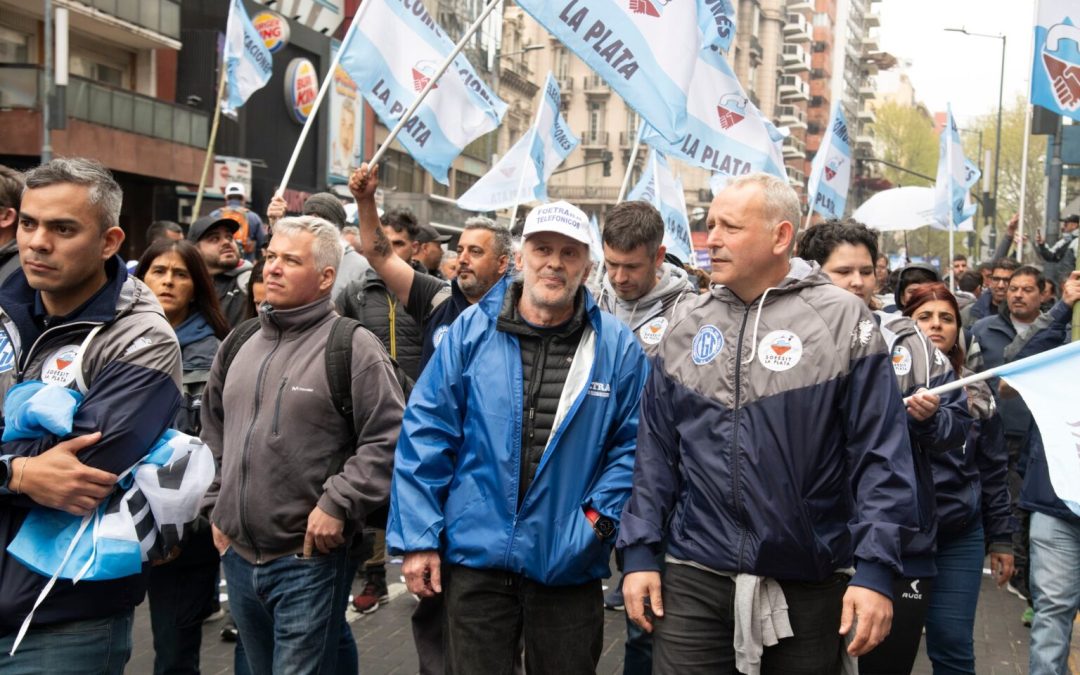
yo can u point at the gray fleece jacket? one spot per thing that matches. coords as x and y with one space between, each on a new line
648 316
283 448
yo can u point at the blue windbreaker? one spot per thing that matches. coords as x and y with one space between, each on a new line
456 469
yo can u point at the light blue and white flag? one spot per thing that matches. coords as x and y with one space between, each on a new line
596 245
955 176
830 172
644 49
392 55
661 188
521 175
1047 382
725 132
1055 72
248 63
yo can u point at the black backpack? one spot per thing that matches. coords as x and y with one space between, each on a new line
338 363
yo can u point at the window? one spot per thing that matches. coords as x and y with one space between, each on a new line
14 46
822 19
462 182
596 119
631 121
755 21
399 172
562 63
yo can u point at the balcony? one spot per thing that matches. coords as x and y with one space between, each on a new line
867 88
583 193
869 45
142 24
865 139
795 177
793 88
627 138
566 86
798 29
794 148
796 60
866 116
20 87
872 20
800 6
594 139
596 86
792 117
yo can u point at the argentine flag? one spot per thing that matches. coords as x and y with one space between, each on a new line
661 188
248 63
1055 71
955 175
391 55
522 173
830 172
725 132
644 49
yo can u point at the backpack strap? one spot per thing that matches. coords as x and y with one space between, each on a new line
339 367
235 341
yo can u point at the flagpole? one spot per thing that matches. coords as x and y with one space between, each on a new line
213 139
1028 363
630 165
948 187
492 4
532 139
319 98
1027 133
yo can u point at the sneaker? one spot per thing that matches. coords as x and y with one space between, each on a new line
614 600
368 600
1015 590
229 632
1029 615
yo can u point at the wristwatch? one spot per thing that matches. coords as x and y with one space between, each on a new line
603 526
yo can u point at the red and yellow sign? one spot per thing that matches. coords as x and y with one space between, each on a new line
274 30
301 88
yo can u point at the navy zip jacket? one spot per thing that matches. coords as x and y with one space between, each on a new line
773 441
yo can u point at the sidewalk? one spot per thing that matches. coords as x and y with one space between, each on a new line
385 638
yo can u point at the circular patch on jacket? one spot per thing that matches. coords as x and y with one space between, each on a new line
7 353
438 335
707 344
652 332
58 367
780 350
901 360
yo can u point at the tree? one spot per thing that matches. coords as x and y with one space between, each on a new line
905 136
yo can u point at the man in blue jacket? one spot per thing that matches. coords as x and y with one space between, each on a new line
515 458
773 462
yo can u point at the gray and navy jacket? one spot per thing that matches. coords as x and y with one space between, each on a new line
131 373
773 441
918 364
650 315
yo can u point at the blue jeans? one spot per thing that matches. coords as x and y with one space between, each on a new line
950 620
1055 591
287 611
89 647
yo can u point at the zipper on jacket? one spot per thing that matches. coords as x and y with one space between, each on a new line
530 422
277 404
246 452
735 453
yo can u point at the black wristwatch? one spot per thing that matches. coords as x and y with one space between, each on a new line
603 526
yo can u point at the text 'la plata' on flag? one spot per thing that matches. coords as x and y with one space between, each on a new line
248 63
1055 70
392 55
521 175
725 131
955 176
644 49
661 188
830 172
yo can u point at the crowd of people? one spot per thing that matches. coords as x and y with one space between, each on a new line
760 448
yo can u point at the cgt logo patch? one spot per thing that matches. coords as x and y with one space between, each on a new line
707 344
780 350
58 369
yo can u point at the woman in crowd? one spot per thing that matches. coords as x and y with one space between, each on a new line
972 499
256 290
937 426
183 592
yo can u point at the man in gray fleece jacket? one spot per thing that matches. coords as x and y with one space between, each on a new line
294 481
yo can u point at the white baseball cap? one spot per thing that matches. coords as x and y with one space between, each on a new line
234 190
561 218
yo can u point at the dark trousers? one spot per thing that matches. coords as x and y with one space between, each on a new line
427 628
489 611
697 632
181 595
896 654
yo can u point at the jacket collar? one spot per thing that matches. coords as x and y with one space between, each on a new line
291 323
492 303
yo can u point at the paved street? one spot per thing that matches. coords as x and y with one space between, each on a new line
385 638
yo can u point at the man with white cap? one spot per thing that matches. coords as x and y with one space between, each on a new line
515 459
250 233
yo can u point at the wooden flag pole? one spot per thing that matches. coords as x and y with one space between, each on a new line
213 139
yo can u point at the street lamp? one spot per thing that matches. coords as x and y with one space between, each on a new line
997 149
526 48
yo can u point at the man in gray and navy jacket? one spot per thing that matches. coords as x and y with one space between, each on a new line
773 462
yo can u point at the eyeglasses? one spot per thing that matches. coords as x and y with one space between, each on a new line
1000 280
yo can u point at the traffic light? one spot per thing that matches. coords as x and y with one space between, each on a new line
607 157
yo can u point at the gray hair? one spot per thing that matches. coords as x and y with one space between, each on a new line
779 201
327 245
105 193
503 240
